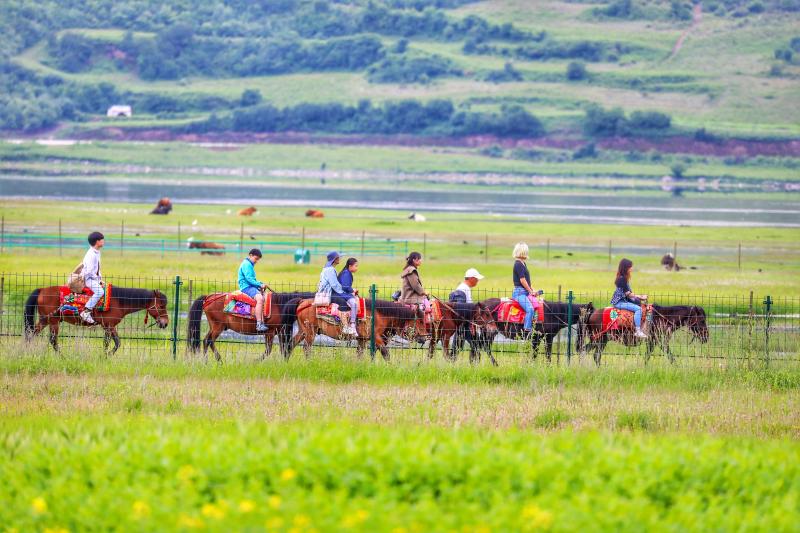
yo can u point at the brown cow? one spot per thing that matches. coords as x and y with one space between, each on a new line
207 245
315 213
247 211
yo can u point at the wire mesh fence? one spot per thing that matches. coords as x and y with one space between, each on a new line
745 328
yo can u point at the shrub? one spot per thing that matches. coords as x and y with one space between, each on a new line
576 71
250 97
650 120
635 421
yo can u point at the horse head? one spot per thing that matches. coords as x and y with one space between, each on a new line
584 312
483 321
158 309
697 323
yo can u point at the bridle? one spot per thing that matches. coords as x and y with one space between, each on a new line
154 307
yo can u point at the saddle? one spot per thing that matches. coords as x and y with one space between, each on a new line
71 303
239 304
335 316
620 319
432 315
510 311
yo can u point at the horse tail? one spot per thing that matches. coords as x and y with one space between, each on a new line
288 317
195 315
30 312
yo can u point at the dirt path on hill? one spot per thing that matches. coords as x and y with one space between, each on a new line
697 18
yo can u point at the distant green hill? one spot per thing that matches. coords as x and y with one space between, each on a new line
447 67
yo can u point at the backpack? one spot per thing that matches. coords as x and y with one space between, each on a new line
76 281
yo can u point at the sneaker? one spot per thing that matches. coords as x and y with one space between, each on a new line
86 316
639 334
260 327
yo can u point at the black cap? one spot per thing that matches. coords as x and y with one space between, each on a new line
256 252
94 237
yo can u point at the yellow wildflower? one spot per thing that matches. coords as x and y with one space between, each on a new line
55 530
247 506
301 520
358 517
140 509
186 473
189 522
288 474
274 523
38 505
211 510
399 530
274 501
536 518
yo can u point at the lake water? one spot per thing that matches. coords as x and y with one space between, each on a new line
528 203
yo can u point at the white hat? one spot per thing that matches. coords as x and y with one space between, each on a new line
472 273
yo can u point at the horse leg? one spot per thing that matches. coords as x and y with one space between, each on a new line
380 343
548 339
269 338
54 334
214 331
436 332
115 338
598 350
535 340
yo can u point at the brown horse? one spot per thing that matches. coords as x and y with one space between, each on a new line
663 323
668 319
391 318
219 321
122 302
469 321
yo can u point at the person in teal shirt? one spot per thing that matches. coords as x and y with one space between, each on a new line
249 285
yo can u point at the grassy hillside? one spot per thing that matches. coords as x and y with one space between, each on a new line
724 75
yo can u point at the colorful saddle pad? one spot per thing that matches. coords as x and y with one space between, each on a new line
71 303
239 304
510 311
332 314
616 319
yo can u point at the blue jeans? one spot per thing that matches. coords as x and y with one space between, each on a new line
98 291
520 295
637 311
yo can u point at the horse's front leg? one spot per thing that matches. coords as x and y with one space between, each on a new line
269 338
537 338
598 350
54 334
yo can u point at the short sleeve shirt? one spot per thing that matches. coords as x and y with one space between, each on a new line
521 272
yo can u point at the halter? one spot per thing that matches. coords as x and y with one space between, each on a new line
154 306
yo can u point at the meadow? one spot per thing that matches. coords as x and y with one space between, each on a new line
141 441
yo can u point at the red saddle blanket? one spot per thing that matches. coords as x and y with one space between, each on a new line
239 304
73 303
510 311
333 310
614 318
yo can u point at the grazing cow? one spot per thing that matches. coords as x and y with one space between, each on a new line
247 211
163 207
207 245
315 213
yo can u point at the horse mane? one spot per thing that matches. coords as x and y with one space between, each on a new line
282 298
135 297
682 312
394 310
463 310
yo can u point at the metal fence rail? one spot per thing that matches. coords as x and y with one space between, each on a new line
749 328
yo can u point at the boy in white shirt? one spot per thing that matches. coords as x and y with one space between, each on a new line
91 274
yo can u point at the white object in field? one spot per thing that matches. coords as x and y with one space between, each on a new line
120 111
416 217
194 222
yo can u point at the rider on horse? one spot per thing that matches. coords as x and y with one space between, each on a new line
253 288
91 274
329 282
523 293
463 292
412 292
624 298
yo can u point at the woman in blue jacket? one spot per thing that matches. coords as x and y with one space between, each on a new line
329 282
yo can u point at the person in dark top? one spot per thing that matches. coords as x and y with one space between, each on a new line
346 280
522 285
624 298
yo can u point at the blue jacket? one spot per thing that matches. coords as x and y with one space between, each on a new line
247 275
346 279
328 282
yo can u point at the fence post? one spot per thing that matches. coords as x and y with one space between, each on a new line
2 292
372 293
122 239
2 233
241 238
548 257
609 253
425 245
179 236
740 257
175 315
363 234
303 238
767 316
558 335
486 249
675 251
60 251
570 299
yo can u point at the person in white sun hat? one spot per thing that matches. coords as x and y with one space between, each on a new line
471 278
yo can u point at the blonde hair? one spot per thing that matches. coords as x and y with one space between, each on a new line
520 251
